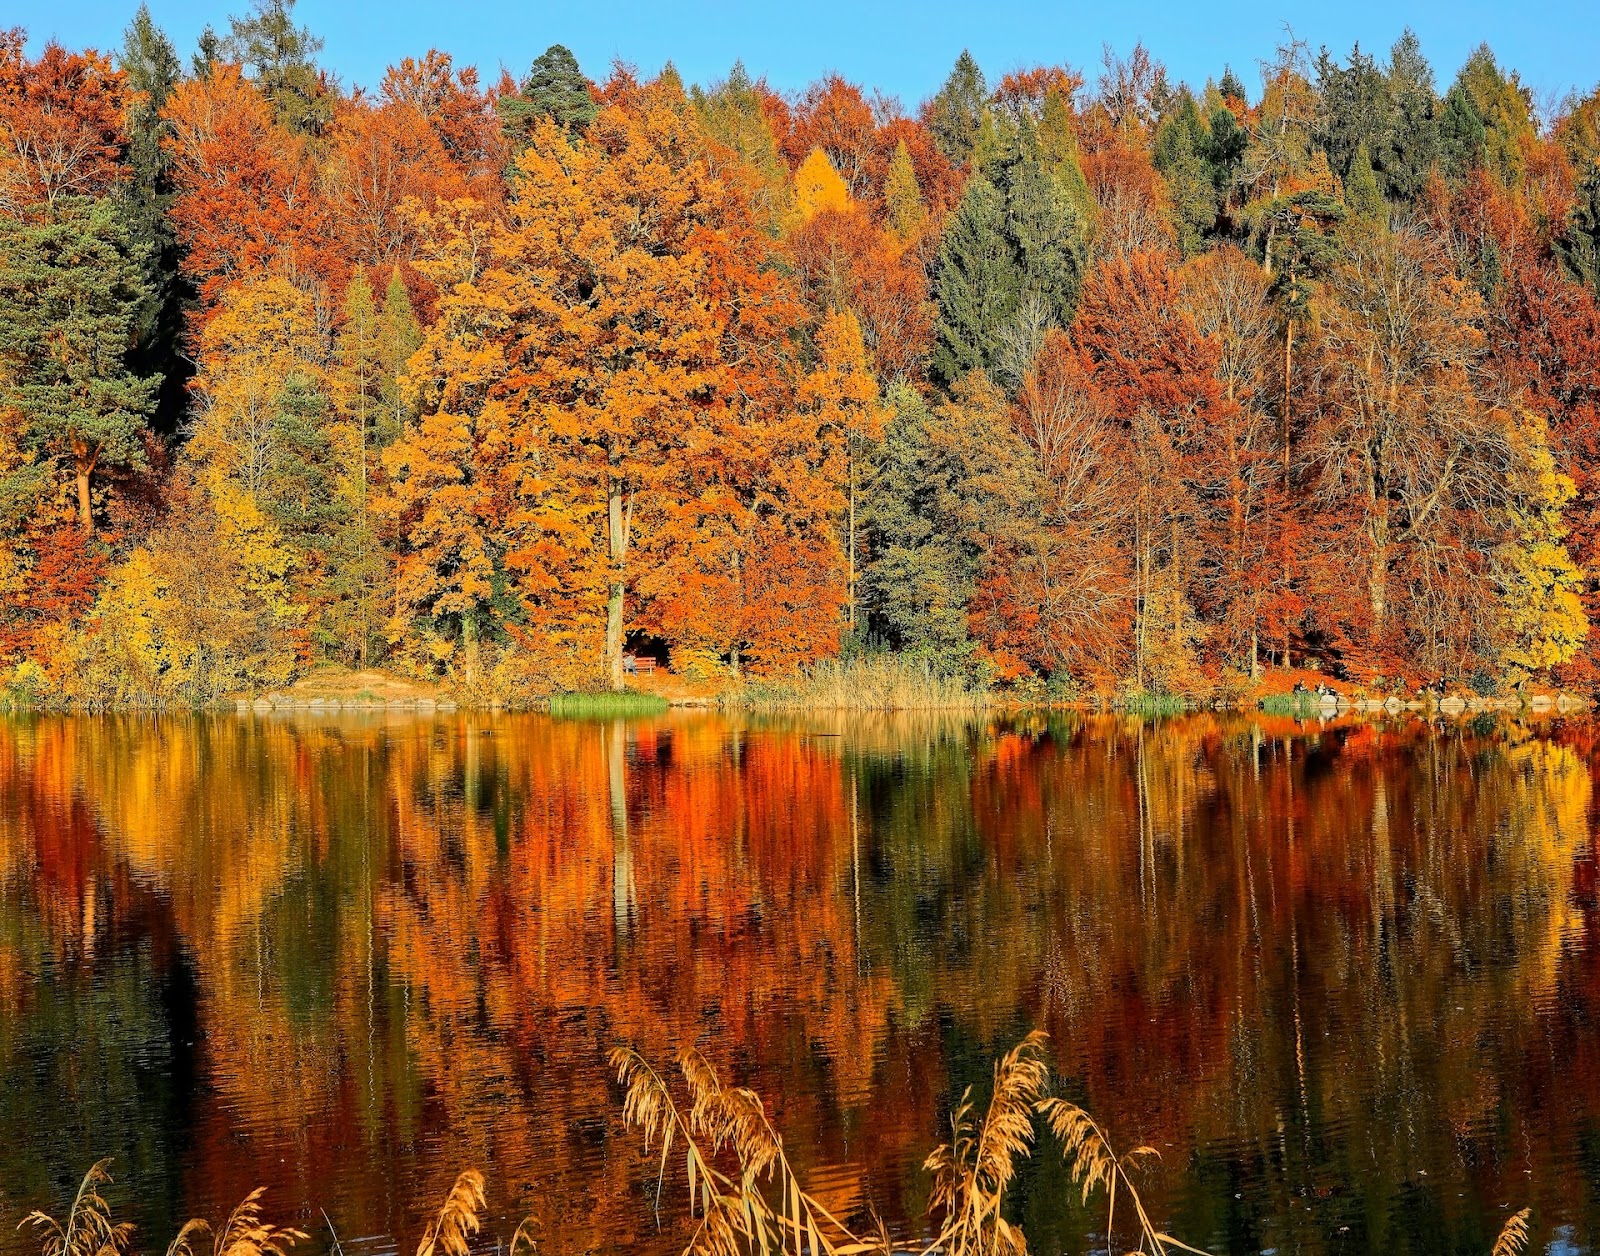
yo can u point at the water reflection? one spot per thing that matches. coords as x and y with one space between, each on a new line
1344 976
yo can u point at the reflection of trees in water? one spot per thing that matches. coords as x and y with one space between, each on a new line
1338 974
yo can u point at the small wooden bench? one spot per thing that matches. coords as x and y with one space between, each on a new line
638 665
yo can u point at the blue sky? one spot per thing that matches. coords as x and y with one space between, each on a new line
903 48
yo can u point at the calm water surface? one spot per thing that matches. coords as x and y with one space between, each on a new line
1346 977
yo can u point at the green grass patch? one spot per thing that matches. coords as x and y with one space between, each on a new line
1290 704
1152 704
605 706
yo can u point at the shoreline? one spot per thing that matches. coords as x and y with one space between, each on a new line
1543 703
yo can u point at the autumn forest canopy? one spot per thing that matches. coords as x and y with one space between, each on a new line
1075 381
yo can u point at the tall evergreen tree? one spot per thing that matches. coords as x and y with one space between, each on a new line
71 290
152 68
1411 147
1356 109
281 58
1048 237
554 87
976 282
399 336
1231 88
1577 248
1505 108
956 113
1017 250
1178 152
1463 139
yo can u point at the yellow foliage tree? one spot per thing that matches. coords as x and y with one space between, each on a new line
841 395
903 197
1543 620
263 332
817 186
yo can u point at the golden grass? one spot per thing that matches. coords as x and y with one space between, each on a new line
739 1181
875 683
1513 1235
457 1220
972 1171
88 1229
244 1233
760 1207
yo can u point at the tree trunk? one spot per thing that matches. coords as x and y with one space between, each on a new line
83 459
852 589
1177 591
1378 579
469 641
619 516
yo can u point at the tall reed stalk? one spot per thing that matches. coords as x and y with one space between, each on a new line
876 683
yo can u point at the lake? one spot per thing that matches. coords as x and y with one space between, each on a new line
1344 976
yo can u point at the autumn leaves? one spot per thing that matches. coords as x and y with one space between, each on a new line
1129 388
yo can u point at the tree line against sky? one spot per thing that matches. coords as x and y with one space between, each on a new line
1076 381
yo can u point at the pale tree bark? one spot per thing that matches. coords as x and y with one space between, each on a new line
84 457
619 529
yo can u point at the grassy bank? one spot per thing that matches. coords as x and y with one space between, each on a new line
878 683
605 706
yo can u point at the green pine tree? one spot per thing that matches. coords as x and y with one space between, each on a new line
554 88
1463 140
151 65
301 484
399 336
1577 248
956 113
1048 237
281 58
1180 142
71 292
1011 263
1361 192
976 282
1411 147
1505 109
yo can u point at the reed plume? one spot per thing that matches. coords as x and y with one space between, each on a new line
244 1233
1513 1235
736 1216
1093 1164
457 1221
88 1229
973 1170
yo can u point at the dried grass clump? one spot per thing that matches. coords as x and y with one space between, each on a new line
88 1229
244 1233
457 1220
758 1207
972 1171
1513 1235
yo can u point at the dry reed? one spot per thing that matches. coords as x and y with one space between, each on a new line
736 1216
244 1233
457 1219
88 1229
1513 1235
875 683
972 1171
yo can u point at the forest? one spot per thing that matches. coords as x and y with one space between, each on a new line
1073 382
